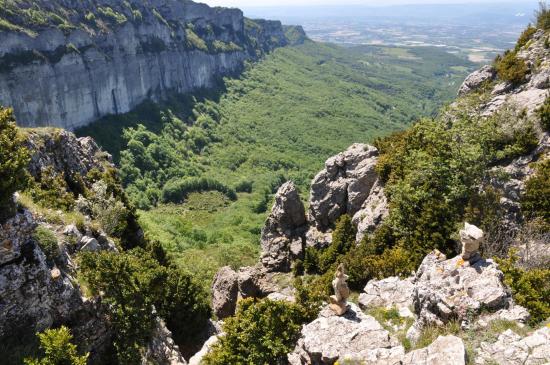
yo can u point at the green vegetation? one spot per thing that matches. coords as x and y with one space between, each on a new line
194 41
536 199
47 241
511 68
176 191
13 162
544 115
137 283
530 288
261 332
58 349
543 16
279 121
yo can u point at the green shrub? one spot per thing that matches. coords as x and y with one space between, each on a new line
47 241
310 296
175 191
535 203
543 16
530 288
525 37
262 205
58 349
112 15
544 115
261 332
13 162
194 41
244 186
134 283
511 68
50 190
343 238
311 260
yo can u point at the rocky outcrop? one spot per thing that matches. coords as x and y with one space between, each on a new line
65 154
512 349
282 236
206 348
332 338
161 349
373 211
342 188
225 291
33 294
476 79
445 350
358 338
122 54
456 289
388 293
343 185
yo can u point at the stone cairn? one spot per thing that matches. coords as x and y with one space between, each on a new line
338 301
471 238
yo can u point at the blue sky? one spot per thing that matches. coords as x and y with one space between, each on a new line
255 3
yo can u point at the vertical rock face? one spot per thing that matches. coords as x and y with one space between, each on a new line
225 290
69 78
282 235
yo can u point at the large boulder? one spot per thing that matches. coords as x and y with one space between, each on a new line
445 350
282 236
343 186
476 79
225 291
512 349
332 338
388 293
452 289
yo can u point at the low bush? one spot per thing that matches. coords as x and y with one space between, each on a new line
13 162
530 288
544 115
135 286
244 186
511 68
175 191
47 241
50 190
525 37
261 332
543 16
58 349
535 202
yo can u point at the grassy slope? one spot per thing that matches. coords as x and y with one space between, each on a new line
286 115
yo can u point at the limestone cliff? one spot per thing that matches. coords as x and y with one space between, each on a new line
74 62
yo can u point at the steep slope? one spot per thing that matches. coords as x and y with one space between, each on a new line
67 64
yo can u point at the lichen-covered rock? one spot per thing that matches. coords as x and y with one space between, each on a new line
225 291
330 338
476 79
373 211
512 349
388 293
457 289
282 236
445 350
161 348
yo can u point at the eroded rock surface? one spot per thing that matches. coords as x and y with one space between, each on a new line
512 349
476 79
225 291
388 293
331 337
373 211
283 234
161 349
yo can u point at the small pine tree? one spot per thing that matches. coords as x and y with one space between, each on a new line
58 349
14 157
